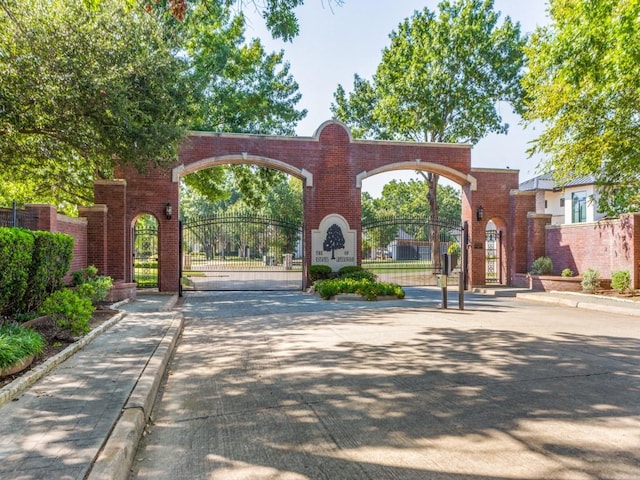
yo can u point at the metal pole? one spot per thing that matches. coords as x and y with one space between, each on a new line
463 265
180 255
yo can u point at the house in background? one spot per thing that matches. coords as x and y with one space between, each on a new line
573 202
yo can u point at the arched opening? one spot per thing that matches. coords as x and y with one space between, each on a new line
495 252
241 226
145 251
402 242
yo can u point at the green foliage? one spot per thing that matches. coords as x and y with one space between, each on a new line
542 266
590 280
356 272
69 310
365 287
16 247
319 272
567 272
84 275
17 343
582 86
621 280
88 88
83 90
441 78
453 248
50 262
95 289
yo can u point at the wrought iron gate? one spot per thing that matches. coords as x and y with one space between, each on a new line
493 249
241 252
145 256
407 250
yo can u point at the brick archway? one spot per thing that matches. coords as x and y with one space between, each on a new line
331 164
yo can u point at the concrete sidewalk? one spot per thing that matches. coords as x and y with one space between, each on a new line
79 414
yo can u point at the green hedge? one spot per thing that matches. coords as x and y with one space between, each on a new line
16 248
368 289
32 265
50 262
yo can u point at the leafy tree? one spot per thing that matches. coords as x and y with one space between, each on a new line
86 89
582 83
440 80
241 89
82 91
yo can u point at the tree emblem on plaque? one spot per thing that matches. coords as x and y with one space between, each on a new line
333 240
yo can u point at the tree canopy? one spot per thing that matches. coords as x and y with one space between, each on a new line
583 84
87 88
441 78
83 91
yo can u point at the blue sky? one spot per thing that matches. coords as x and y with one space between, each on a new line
337 41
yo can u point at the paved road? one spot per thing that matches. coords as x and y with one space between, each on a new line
285 386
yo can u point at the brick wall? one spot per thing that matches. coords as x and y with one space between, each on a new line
607 246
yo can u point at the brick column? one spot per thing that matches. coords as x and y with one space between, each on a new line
45 216
537 235
112 194
97 252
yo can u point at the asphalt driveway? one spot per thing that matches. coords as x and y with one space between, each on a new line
287 386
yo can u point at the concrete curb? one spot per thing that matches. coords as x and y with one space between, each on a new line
15 388
575 301
116 456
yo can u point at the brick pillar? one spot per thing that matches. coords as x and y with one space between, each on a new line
492 194
112 194
521 203
537 235
334 188
97 253
46 217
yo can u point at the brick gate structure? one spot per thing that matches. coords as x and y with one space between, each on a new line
331 165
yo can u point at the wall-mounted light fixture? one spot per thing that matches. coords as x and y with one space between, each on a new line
168 211
480 213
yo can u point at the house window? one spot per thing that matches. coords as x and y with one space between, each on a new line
562 202
579 207
545 204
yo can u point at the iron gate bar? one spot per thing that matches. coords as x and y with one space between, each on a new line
145 256
399 249
242 251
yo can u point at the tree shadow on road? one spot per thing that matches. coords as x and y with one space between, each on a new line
374 393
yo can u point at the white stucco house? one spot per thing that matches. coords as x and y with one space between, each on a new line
573 202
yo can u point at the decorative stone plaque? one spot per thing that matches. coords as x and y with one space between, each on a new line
333 244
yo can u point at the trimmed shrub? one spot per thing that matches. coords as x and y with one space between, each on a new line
567 272
50 262
16 247
368 289
621 280
357 273
17 343
319 272
542 266
70 311
590 280
91 285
